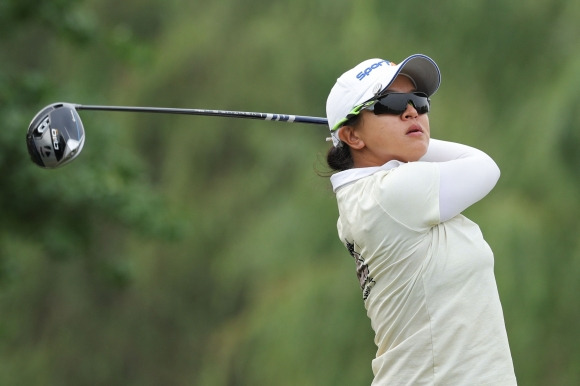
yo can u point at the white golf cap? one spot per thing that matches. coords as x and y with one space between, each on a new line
369 79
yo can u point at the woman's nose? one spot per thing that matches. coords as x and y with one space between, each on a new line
410 112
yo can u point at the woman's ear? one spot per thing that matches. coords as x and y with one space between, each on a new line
349 135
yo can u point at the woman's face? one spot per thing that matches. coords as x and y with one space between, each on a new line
377 139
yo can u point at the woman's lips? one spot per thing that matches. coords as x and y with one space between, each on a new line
414 130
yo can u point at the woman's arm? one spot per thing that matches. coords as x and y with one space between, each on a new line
466 175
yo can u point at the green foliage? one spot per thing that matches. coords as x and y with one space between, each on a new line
192 250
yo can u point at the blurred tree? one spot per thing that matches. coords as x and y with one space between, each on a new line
61 212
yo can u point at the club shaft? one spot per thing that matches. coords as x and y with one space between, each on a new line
211 113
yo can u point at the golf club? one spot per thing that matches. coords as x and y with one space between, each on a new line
56 134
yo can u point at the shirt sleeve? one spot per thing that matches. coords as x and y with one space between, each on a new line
409 194
466 175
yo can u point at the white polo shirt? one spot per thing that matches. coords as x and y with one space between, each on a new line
428 286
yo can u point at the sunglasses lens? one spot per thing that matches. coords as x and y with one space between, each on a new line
396 103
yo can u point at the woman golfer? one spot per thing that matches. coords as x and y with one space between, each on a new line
425 271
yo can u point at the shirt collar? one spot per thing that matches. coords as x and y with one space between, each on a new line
349 176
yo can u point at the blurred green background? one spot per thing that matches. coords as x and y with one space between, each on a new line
203 251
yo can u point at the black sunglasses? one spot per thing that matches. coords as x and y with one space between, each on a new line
396 103
392 103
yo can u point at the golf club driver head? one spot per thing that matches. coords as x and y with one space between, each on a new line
55 136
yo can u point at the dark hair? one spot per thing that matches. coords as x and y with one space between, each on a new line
339 157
